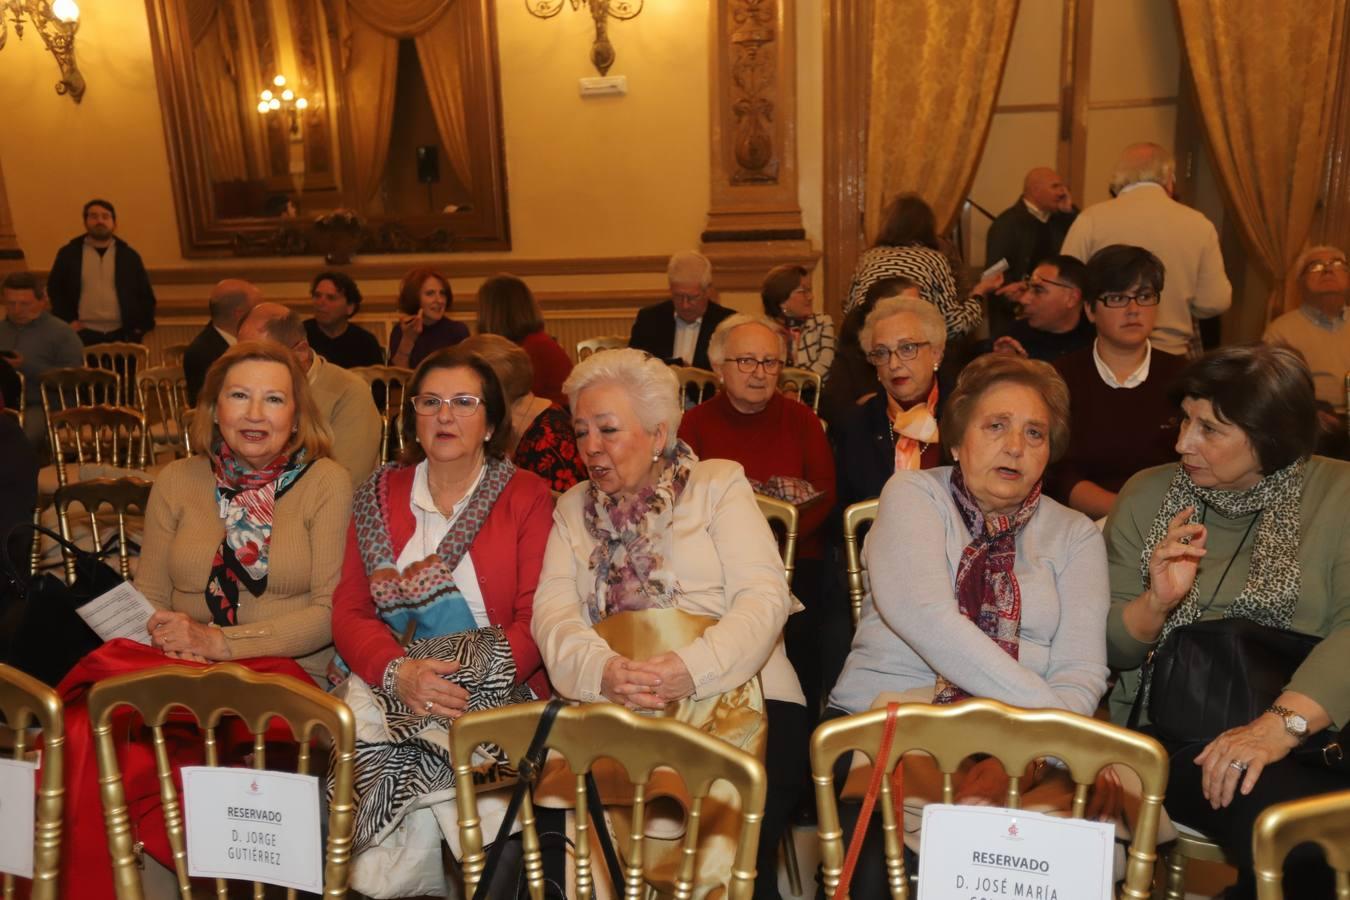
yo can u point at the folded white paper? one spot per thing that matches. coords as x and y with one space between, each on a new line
120 613
18 788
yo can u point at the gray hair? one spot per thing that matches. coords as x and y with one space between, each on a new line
717 344
690 265
1143 163
1294 280
930 320
650 384
287 330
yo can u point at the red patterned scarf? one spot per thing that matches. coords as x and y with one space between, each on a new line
986 588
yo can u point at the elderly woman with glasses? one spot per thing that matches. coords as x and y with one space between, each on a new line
663 589
432 613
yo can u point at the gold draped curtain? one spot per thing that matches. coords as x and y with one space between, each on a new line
936 70
1266 81
371 30
217 74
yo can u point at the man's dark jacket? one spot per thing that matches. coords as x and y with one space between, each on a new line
1024 240
654 331
207 347
135 296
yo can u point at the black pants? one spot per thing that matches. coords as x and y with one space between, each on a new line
1306 875
785 759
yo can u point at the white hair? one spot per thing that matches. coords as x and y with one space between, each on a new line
930 320
687 266
651 385
717 344
1141 163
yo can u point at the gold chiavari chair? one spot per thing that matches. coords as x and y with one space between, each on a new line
123 494
126 361
163 393
855 517
1017 737
109 437
188 448
25 701
68 388
1323 820
211 694
804 383
696 385
640 744
783 515
1190 844
388 384
600 342
172 354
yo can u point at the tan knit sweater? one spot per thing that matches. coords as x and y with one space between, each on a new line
293 618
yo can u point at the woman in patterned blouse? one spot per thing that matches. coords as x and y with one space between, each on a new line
786 294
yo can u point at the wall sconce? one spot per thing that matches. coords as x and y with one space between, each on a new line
283 98
602 51
56 22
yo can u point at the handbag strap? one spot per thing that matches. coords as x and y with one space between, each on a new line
1140 691
597 810
20 579
869 801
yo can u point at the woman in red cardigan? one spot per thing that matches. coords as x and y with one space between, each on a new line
432 614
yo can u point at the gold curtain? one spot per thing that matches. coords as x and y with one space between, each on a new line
1265 77
369 83
441 51
218 90
401 18
936 70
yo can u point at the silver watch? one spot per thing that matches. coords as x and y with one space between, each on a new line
1294 724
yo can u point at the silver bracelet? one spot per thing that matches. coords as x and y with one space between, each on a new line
389 682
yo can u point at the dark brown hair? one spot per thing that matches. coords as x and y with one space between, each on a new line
506 307
494 401
1265 390
908 220
410 291
1119 267
990 371
778 286
24 281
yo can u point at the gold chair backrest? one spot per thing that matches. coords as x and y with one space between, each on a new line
804 383
122 494
583 734
188 416
105 435
24 702
600 342
172 354
126 361
785 515
696 385
855 517
211 694
67 388
388 385
1323 820
1017 737
163 393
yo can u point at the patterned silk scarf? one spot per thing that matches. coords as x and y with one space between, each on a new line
987 592
913 429
634 536
247 499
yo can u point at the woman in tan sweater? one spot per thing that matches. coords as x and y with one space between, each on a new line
243 545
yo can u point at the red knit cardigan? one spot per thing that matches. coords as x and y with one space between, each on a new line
507 553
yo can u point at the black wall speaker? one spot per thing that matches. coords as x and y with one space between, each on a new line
428 164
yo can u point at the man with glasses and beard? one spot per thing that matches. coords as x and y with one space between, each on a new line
98 283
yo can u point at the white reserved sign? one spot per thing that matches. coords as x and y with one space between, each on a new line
989 853
18 791
253 825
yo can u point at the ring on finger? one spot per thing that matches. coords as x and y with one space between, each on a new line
1239 765
427 706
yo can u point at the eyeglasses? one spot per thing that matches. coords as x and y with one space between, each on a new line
881 354
1317 268
462 405
1037 285
748 364
1119 301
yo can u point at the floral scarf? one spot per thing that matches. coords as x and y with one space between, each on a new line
634 535
247 499
987 592
913 429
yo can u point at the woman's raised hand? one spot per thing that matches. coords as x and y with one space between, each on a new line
423 687
1174 562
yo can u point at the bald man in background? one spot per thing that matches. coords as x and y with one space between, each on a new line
1030 230
344 400
229 302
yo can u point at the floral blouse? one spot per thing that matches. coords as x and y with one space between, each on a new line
549 449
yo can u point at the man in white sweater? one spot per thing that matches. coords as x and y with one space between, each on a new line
1142 213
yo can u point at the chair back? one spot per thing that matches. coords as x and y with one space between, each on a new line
855 517
696 385
582 735
1323 820
951 732
26 702
211 694
388 385
67 388
188 448
163 393
103 435
802 382
600 342
122 494
126 361
172 354
784 515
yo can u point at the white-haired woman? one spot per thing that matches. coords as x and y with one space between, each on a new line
897 427
658 535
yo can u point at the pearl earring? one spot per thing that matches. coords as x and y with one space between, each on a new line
656 457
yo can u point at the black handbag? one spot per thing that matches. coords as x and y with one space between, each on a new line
40 631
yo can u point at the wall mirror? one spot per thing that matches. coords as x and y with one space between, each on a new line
332 126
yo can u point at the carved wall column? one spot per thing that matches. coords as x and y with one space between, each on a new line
11 256
754 221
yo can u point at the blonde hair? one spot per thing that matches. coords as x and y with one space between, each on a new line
311 431
652 386
717 344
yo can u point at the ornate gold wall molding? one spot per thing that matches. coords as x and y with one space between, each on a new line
847 76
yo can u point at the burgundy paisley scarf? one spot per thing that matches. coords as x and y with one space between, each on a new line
986 588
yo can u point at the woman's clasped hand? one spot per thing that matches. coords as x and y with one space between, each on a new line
181 637
650 684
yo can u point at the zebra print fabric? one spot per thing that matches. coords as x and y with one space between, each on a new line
928 269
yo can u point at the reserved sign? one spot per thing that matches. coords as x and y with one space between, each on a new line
253 825
18 791
989 853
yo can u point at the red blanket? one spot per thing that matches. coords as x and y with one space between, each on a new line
86 865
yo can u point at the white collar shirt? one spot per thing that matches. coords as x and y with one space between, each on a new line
1133 380
686 339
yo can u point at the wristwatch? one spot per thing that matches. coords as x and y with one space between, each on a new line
1294 724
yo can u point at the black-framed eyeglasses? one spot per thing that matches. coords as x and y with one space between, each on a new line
1036 284
462 405
880 355
1323 265
748 364
1120 301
